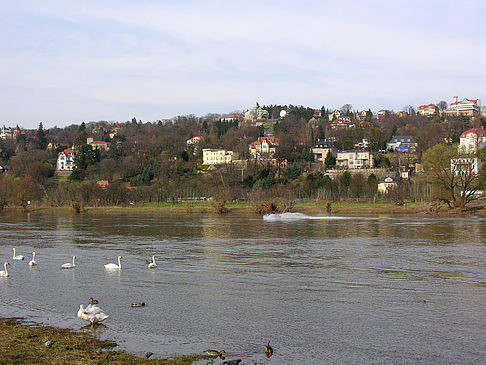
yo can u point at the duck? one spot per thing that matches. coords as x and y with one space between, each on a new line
68 265
4 273
93 301
32 262
90 317
214 353
17 257
114 266
152 265
268 350
136 305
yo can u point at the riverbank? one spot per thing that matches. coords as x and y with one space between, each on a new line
26 344
314 208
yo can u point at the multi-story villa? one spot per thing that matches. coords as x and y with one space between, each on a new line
468 107
402 143
355 159
429 110
66 160
471 140
264 147
321 149
214 156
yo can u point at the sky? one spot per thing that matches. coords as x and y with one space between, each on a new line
65 62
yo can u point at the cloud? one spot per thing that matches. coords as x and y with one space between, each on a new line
72 60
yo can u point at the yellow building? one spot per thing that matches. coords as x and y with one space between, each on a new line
214 156
387 184
355 159
321 149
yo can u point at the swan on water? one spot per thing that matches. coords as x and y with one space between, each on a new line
93 318
32 262
17 257
4 273
114 266
68 265
152 265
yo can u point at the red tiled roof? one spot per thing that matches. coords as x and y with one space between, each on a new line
231 116
478 131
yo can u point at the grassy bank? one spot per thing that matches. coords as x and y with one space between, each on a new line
24 344
310 207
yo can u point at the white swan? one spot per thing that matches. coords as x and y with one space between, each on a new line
17 257
68 265
4 273
93 309
91 317
32 262
114 266
152 265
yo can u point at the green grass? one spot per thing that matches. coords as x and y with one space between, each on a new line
23 344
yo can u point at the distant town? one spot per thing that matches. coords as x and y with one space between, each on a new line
433 152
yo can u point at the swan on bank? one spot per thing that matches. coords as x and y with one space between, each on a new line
32 262
17 257
4 273
69 265
93 318
114 266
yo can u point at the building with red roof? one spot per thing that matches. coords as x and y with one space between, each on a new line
429 110
264 147
472 139
469 107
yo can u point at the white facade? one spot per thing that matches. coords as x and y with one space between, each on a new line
66 160
466 165
468 107
471 140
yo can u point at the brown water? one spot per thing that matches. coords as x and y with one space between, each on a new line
333 290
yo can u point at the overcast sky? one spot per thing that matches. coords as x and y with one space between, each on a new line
65 62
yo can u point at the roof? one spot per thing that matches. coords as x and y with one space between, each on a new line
427 106
323 144
232 116
393 178
402 139
478 131
356 150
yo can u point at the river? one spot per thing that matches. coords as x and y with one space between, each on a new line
322 290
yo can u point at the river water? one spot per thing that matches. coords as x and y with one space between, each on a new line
322 290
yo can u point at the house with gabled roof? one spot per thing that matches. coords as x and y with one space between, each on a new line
402 144
471 140
429 110
66 160
264 147
321 149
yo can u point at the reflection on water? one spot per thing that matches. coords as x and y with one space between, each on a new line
353 290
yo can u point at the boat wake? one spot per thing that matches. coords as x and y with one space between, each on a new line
295 216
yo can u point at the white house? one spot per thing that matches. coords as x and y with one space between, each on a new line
471 140
466 165
66 160
469 107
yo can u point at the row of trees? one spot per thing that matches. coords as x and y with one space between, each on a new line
155 158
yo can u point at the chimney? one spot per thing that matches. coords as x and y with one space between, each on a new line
455 99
